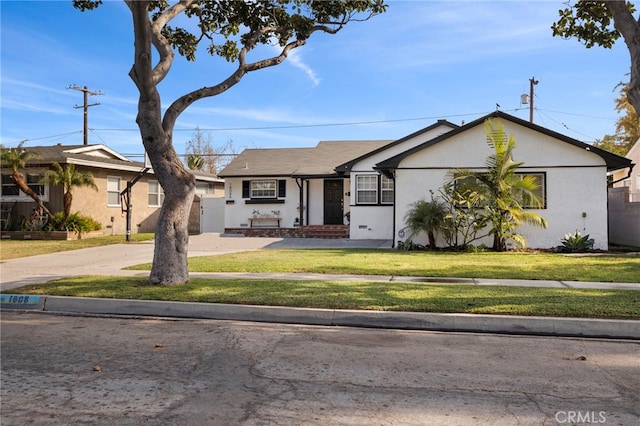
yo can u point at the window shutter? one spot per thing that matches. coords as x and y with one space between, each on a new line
246 191
282 188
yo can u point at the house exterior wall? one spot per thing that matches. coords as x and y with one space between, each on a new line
630 179
90 202
575 181
238 210
94 203
371 223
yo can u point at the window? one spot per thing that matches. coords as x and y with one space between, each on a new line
540 192
204 188
34 182
386 190
366 189
156 194
9 188
263 189
113 191
470 184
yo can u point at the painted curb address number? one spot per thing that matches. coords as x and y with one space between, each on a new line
19 299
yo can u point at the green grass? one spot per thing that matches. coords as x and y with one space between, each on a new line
509 265
12 249
387 296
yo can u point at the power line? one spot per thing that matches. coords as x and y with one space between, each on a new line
300 126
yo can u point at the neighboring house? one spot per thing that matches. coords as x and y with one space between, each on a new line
378 185
111 172
630 177
624 202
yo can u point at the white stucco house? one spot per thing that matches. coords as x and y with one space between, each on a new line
377 181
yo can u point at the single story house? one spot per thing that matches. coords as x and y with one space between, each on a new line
374 183
111 172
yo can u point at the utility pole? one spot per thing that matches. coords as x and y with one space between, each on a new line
86 106
532 82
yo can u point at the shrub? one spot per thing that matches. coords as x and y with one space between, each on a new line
75 222
576 243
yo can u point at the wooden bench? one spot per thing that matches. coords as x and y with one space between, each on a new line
264 222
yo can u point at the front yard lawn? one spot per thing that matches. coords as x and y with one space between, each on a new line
508 265
381 296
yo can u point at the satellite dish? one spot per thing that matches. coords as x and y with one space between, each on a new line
147 162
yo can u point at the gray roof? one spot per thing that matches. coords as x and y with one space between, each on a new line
320 160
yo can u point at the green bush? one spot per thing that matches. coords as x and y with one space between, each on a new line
576 243
75 222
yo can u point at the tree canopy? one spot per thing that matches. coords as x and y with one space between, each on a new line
627 126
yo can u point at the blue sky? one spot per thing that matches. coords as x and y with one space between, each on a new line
381 79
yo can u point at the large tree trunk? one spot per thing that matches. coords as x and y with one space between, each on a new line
627 25
172 233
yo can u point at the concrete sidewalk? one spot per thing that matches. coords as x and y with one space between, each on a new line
109 260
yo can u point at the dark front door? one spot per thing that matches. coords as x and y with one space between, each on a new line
333 202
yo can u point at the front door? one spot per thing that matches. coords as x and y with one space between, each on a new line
333 202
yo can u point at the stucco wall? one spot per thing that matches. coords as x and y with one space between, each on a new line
371 222
238 212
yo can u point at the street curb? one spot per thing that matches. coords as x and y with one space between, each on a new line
548 326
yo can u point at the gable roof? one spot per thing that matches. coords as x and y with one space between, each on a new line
97 156
317 161
346 167
613 162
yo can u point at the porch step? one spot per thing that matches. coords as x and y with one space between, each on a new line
312 231
326 231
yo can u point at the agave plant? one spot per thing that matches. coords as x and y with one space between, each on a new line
576 243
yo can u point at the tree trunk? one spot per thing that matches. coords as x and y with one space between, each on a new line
172 232
67 199
627 25
21 183
432 240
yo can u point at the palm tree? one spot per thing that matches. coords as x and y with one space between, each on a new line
17 159
69 178
506 191
425 216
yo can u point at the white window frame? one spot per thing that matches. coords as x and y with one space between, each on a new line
387 188
204 188
366 184
111 191
263 189
156 192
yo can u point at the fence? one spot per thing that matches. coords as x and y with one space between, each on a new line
624 217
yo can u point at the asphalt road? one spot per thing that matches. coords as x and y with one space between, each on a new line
64 370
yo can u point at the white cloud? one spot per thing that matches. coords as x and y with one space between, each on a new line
295 59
